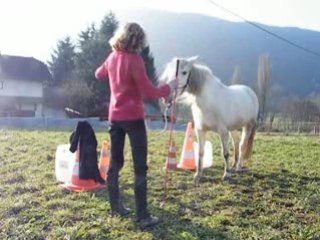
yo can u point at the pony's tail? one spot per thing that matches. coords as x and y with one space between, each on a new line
249 145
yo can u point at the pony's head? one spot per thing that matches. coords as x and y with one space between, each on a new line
182 70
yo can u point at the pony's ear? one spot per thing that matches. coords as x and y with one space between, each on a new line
193 59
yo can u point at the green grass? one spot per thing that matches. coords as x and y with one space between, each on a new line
279 198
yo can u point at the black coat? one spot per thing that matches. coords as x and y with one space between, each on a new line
85 138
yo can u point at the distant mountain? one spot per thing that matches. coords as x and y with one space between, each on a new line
223 45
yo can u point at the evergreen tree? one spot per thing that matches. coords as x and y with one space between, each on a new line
91 97
151 72
86 57
62 62
109 24
87 35
149 65
93 49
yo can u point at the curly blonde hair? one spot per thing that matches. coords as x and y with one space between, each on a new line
130 37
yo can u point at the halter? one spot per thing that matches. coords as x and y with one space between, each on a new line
184 87
172 103
177 69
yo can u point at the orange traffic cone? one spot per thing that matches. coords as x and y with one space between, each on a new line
104 160
76 184
171 162
187 160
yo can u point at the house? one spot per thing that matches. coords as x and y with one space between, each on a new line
21 86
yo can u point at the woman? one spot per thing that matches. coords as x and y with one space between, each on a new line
129 86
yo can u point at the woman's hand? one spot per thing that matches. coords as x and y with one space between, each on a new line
173 86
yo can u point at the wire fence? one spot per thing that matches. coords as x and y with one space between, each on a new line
47 123
152 122
286 126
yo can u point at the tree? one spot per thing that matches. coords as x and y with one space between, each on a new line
236 79
93 49
62 63
86 56
263 82
151 72
109 24
79 97
301 112
149 65
274 103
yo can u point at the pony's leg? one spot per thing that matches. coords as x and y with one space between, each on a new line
246 144
224 137
235 143
201 138
246 131
242 147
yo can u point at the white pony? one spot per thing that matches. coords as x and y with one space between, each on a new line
215 107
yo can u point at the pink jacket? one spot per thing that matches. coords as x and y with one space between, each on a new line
129 85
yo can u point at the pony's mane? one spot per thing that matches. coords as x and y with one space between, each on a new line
202 68
198 75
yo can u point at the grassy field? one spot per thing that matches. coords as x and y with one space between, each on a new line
279 198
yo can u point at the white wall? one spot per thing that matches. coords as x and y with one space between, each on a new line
21 88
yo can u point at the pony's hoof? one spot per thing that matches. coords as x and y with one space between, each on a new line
196 182
226 177
232 170
242 170
238 169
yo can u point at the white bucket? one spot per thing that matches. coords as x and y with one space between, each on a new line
64 163
207 156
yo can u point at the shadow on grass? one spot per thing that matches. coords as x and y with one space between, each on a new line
280 181
173 223
201 213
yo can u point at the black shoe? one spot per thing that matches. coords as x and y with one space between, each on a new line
148 221
101 181
120 211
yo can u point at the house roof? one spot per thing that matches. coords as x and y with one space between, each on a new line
24 68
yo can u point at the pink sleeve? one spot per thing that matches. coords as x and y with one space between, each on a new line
146 89
102 71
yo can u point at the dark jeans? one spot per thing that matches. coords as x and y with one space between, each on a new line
136 131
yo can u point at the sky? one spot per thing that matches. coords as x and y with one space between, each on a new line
33 27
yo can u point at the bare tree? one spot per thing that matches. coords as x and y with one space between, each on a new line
236 79
302 113
263 83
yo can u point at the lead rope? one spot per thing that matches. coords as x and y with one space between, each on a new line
166 178
165 115
173 105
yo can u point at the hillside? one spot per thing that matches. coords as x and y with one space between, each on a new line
223 45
